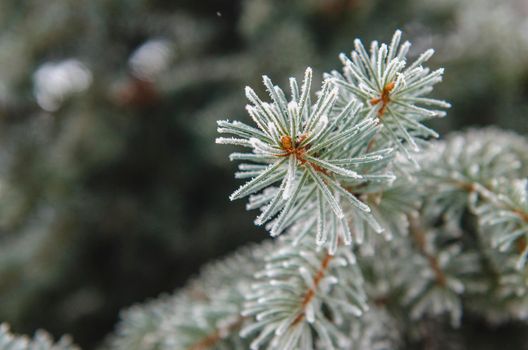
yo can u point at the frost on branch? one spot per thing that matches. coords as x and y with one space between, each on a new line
482 171
392 90
503 216
41 341
436 271
479 177
305 157
316 163
226 301
455 226
304 291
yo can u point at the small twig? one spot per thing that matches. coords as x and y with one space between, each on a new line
213 338
294 148
384 99
310 294
418 233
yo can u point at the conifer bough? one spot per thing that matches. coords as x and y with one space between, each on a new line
313 163
328 176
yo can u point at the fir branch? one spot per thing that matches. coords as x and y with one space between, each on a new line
211 340
337 169
480 173
418 234
311 151
302 292
41 341
504 216
391 90
438 272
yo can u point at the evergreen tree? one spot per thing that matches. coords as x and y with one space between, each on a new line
107 114
380 226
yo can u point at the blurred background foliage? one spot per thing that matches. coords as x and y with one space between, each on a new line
111 188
